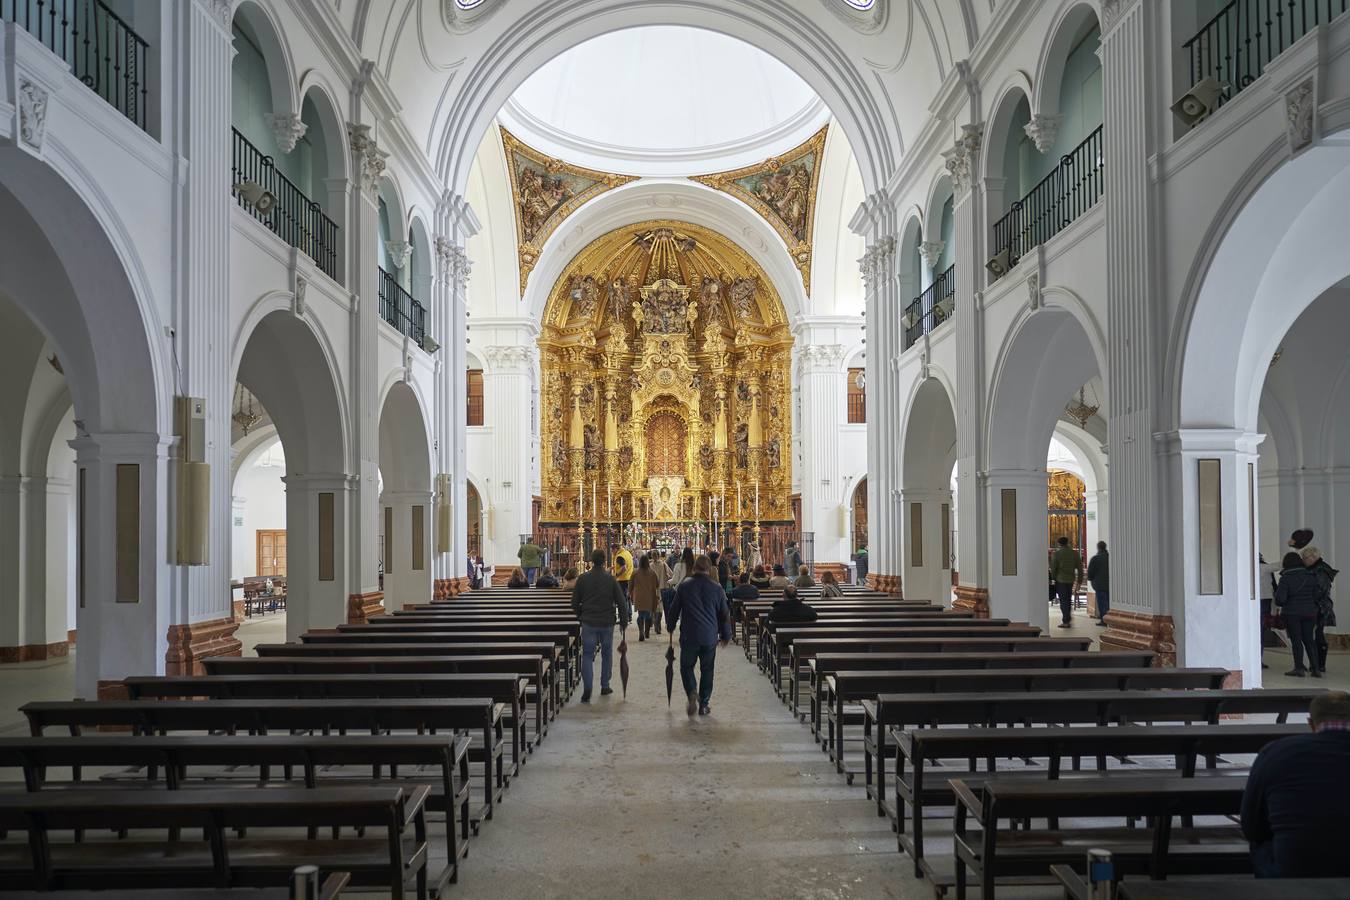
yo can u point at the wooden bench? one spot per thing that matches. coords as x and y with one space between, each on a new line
775 639
221 859
843 687
538 669
918 784
146 717
988 710
567 640
506 688
819 664
993 853
805 645
315 757
332 887
1222 887
748 612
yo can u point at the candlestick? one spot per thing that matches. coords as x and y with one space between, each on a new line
609 501
756 501
595 507
739 507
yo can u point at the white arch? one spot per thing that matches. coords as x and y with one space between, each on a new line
784 31
1015 88
262 19
1069 20
674 199
1253 289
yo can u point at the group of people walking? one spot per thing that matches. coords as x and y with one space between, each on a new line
1302 592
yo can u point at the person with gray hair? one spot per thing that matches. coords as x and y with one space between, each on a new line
1296 805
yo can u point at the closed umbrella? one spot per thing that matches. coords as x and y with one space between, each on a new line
670 668
623 661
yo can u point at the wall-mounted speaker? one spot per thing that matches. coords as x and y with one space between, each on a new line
194 483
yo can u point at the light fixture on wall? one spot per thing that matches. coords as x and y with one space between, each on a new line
999 264
860 380
245 419
1080 410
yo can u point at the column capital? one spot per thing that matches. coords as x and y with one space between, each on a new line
819 359
287 128
453 265
960 160
369 158
1113 11
1043 128
513 358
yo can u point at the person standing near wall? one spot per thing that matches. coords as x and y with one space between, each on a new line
1066 570
1297 595
1099 576
702 605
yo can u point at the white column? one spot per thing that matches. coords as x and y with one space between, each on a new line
34 615
968 235
1212 474
1019 567
456 223
884 310
507 388
202 309
1129 63
317 545
363 238
124 601
823 386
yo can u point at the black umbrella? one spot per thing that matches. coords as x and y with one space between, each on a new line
670 668
623 661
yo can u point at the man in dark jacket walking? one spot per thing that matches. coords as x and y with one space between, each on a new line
1066 570
702 603
598 602
1099 576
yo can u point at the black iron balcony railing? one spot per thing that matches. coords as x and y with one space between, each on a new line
930 309
101 49
1237 44
296 219
398 308
1066 193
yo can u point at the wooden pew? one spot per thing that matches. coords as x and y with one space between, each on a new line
264 716
314 756
993 852
507 689
987 710
845 623
334 883
537 669
821 664
917 785
222 858
804 645
846 686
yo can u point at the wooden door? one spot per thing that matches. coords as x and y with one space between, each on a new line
271 553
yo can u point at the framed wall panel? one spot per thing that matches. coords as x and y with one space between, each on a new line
946 535
1209 483
128 533
419 553
1251 521
388 539
1008 517
916 535
326 529
80 537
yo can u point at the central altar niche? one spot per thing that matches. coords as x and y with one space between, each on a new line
665 360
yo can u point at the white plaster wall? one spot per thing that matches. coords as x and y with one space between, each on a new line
260 501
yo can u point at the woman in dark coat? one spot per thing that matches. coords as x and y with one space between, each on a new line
644 591
1297 596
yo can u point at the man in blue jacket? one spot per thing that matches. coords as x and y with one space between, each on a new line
1296 806
702 603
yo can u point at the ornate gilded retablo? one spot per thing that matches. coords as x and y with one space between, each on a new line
665 356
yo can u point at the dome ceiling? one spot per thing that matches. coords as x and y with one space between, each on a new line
664 101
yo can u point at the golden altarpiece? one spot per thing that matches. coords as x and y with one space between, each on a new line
665 362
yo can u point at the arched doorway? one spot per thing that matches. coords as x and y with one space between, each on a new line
929 453
858 551
405 499
285 365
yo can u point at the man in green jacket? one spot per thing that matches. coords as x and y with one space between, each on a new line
531 557
1066 570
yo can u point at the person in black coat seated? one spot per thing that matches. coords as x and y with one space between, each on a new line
1297 596
1296 805
547 580
790 609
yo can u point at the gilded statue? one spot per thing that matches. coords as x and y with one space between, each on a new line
559 455
539 193
773 453
585 297
743 297
788 193
741 440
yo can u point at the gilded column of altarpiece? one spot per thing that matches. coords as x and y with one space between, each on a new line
665 358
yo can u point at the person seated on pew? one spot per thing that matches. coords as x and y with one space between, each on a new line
759 579
517 579
1296 806
546 580
779 579
569 579
790 609
744 590
804 578
829 585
